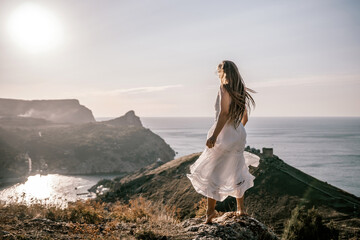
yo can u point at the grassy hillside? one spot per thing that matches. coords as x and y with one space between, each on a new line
278 189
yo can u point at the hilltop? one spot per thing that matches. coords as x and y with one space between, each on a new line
53 110
139 219
279 188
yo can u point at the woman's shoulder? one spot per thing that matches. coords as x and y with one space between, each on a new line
224 94
223 89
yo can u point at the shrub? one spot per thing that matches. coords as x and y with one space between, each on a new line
308 224
88 211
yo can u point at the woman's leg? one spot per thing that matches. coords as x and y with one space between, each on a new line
210 213
240 206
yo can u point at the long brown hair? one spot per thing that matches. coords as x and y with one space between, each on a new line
239 93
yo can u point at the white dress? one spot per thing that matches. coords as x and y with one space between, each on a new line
222 170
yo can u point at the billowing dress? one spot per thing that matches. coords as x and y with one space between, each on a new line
222 170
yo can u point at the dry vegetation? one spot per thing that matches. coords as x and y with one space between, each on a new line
90 219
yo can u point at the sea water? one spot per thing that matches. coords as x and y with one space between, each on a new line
327 148
53 189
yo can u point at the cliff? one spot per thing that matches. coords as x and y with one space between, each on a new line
118 145
128 120
57 111
278 189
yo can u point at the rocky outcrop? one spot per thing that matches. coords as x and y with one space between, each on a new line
95 147
91 220
57 111
228 226
128 120
278 189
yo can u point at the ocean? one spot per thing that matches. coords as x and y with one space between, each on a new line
327 148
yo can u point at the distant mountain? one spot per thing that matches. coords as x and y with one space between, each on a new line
57 111
118 145
278 189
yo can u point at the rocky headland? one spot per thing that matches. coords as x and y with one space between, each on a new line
61 136
278 190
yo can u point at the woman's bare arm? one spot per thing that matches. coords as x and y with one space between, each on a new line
245 117
223 117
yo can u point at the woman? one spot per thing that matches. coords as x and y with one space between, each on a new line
222 169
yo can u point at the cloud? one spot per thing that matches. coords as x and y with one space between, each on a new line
137 90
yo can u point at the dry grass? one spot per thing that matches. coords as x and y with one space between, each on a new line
200 207
94 218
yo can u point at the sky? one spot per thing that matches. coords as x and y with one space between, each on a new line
159 58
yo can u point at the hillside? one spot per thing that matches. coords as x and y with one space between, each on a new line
118 145
139 219
279 188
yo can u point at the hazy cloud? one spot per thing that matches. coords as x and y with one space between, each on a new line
137 90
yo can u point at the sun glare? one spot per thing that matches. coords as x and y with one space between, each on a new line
34 28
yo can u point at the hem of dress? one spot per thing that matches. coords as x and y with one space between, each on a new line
237 192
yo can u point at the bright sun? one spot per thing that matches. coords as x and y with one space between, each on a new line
34 28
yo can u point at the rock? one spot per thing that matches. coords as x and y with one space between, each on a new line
229 226
128 120
57 111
